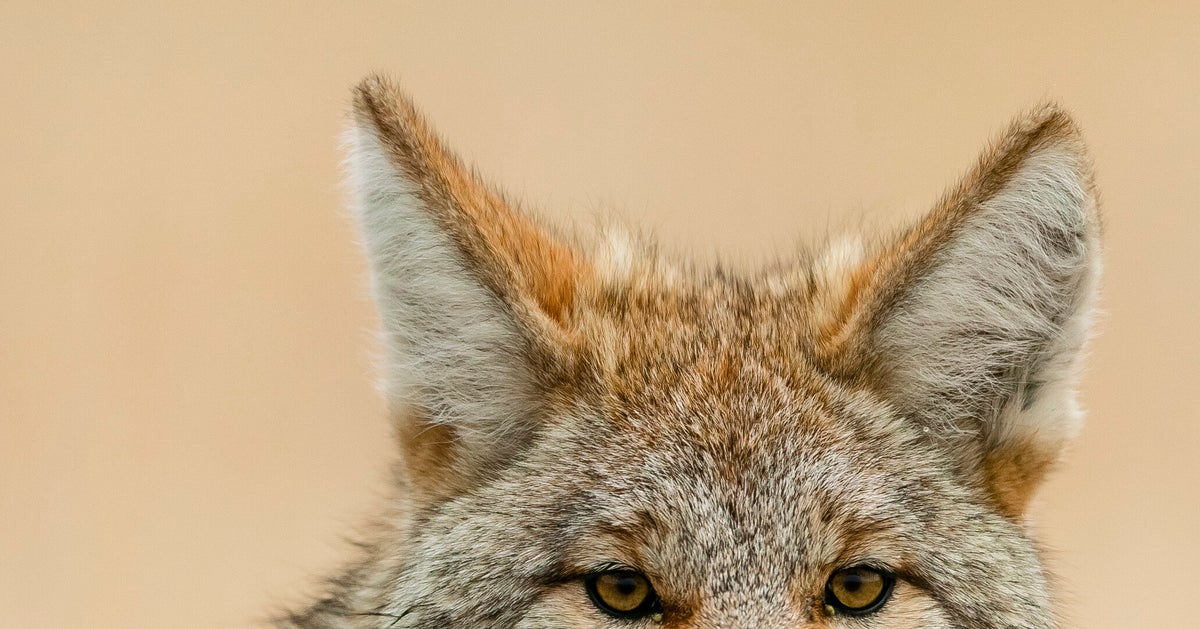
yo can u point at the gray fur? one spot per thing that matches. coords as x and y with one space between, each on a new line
703 437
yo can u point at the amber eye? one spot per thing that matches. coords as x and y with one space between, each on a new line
622 593
859 590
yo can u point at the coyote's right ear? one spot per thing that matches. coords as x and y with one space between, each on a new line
475 298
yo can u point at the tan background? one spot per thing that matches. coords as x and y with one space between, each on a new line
187 422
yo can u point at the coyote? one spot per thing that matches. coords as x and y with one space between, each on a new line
596 435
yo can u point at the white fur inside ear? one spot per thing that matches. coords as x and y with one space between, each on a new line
623 256
837 263
453 351
842 256
833 273
615 253
1001 318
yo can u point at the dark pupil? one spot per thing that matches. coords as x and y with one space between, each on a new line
852 582
627 585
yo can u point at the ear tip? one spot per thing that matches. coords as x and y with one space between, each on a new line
369 93
377 98
1049 125
1047 129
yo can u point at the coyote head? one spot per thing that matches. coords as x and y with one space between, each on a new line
595 435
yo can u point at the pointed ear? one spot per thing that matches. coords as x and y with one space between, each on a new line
972 321
475 297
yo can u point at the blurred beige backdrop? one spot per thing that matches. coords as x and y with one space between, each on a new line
188 425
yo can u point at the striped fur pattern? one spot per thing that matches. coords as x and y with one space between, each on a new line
564 403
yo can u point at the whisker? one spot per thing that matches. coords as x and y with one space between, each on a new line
396 617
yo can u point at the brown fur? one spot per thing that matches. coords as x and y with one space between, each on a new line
737 438
523 261
1014 473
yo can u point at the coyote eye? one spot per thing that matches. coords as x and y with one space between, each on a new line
859 590
622 593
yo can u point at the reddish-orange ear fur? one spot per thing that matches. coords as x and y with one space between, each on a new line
517 258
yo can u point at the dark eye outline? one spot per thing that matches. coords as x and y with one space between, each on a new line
885 594
649 606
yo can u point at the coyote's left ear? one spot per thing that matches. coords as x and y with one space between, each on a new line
475 296
973 321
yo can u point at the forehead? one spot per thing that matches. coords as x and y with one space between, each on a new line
703 399
723 362
704 418
746 494
757 443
